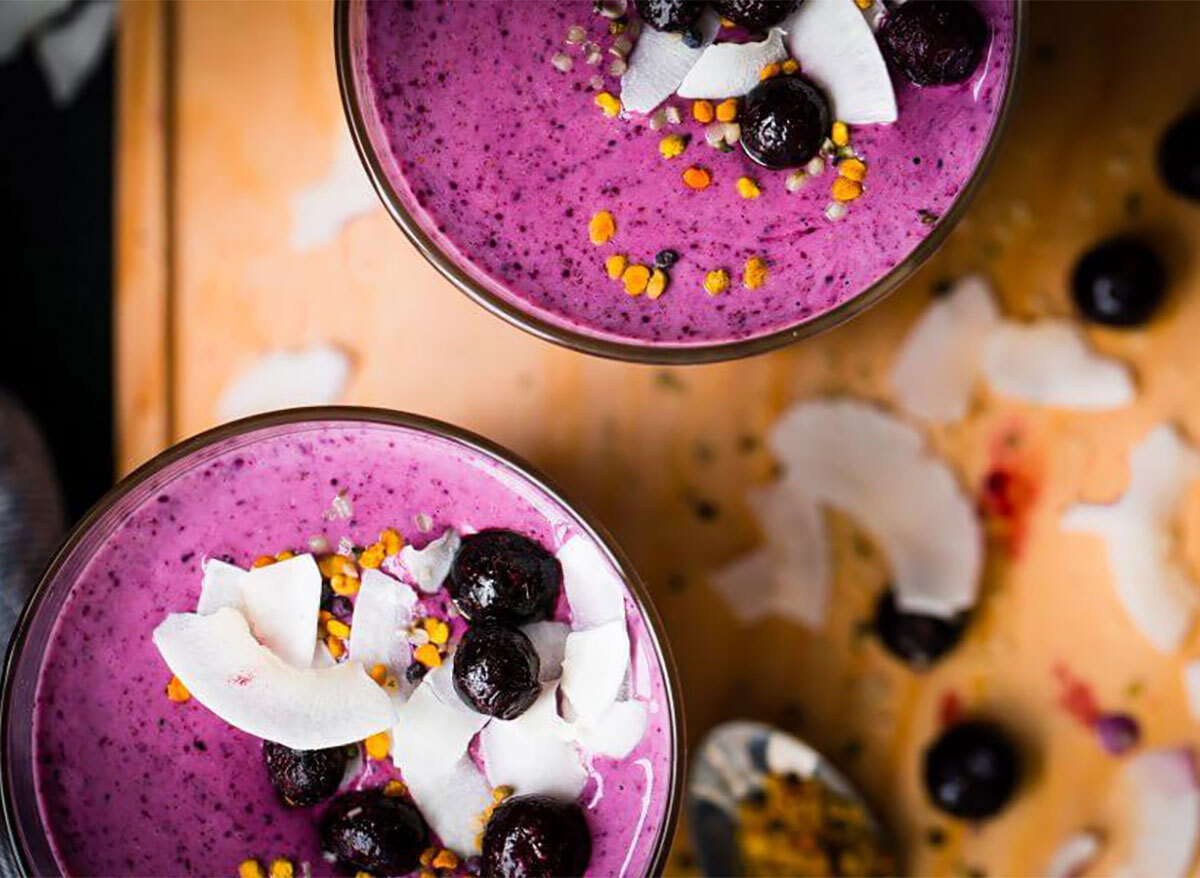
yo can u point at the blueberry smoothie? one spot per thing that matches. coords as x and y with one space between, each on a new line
609 167
502 601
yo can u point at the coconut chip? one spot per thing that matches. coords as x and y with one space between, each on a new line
1165 805
659 63
429 566
1073 856
730 70
1138 529
1049 363
452 802
383 611
934 374
595 592
550 643
876 469
593 670
247 685
283 601
221 587
534 753
614 734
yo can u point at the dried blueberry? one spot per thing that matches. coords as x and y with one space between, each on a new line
669 15
503 577
914 638
375 833
1179 155
496 671
971 770
534 836
755 14
1119 282
934 42
304 777
784 121
665 259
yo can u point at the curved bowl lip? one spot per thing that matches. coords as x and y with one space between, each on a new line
667 354
323 414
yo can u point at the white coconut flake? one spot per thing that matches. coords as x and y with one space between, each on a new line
435 727
934 374
534 753
593 671
798 542
1049 363
429 566
659 63
1165 805
282 602
316 375
452 802
550 643
730 70
383 610
220 587
615 733
228 671
595 592
1139 530
848 66
876 469
1073 856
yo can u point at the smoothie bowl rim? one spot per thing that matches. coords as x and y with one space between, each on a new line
629 350
347 414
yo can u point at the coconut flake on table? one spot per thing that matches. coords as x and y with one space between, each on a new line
660 62
837 50
877 470
244 683
1139 530
534 753
934 373
1073 856
595 592
221 586
730 70
383 611
314 375
550 643
283 601
593 669
1165 804
429 566
1049 363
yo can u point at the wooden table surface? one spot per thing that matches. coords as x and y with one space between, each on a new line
227 109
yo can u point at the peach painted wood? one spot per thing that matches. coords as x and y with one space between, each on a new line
255 115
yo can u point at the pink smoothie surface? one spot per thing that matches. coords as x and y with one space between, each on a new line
502 160
130 783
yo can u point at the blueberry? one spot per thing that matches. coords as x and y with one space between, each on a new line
665 259
934 42
496 671
368 831
669 15
533 836
1179 155
755 14
304 777
914 638
504 577
971 770
784 121
1119 282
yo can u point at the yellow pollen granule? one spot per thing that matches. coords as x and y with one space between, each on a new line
361 874
769 72
378 745
176 691
392 541
601 227
747 188
840 134
716 282
427 856
697 178
702 111
263 561
636 277
394 789
754 275
343 585
285 555
281 868
330 565
428 655
657 285
439 631
727 110
378 673
790 66
615 265
610 105
335 646
445 860
251 869
852 169
845 189
372 556
500 793
338 628
672 145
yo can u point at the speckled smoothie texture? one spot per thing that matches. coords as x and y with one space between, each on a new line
131 783
502 159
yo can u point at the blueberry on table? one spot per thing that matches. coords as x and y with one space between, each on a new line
971 770
784 121
915 638
1179 155
1119 282
755 14
496 671
669 15
304 777
504 577
934 42
536 836
368 831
